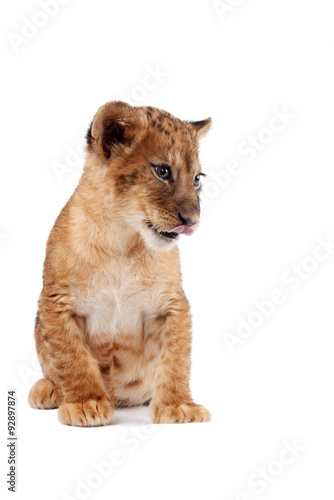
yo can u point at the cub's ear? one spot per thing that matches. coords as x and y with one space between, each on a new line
115 128
202 127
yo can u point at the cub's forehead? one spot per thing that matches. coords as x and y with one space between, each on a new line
169 125
170 139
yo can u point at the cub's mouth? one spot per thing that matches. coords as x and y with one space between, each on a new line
173 233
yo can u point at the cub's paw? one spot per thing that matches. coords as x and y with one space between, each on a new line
91 413
44 395
182 414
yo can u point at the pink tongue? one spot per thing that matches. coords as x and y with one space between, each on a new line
182 230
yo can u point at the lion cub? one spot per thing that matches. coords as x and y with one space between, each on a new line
114 325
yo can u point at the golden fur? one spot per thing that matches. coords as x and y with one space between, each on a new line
114 326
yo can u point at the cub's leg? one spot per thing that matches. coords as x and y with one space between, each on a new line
45 395
172 401
68 362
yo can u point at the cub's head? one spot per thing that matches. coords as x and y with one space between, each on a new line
151 169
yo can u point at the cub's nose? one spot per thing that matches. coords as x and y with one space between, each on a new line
188 218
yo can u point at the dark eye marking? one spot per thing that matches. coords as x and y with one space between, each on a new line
162 171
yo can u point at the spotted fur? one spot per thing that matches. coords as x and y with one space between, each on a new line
113 325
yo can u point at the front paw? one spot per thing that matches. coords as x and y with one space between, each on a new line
91 413
181 414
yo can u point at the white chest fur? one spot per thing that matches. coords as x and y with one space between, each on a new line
118 299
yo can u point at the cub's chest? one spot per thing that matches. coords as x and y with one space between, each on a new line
120 302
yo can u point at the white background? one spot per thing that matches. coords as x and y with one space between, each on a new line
277 385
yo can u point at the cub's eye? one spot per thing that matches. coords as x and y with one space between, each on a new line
163 171
197 180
